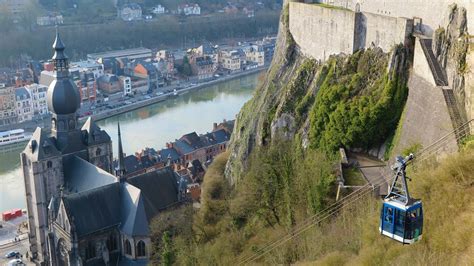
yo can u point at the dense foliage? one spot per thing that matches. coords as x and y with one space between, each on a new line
281 187
359 103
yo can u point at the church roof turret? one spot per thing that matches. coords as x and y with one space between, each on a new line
63 95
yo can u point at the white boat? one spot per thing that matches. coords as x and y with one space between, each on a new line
13 136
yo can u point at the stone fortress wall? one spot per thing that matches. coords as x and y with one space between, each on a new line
434 13
320 31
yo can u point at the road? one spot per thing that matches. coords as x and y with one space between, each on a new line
20 246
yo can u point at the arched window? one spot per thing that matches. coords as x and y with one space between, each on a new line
98 152
128 247
90 250
112 243
49 164
141 251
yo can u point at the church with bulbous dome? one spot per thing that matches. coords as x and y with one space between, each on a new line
82 210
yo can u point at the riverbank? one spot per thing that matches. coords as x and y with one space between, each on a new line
164 97
30 126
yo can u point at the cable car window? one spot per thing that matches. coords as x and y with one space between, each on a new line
389 215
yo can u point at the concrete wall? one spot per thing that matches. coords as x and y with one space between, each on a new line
426 118
321 32
433 12
381 31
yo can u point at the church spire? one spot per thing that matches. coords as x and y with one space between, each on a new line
120 170
60 60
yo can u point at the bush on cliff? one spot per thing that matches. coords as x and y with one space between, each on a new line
359 103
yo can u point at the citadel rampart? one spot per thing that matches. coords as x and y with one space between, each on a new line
321 31
432 12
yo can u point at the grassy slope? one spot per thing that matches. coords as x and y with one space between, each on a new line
448 200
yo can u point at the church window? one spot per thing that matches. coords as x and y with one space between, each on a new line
128 247
141 252
98 152
90 251
112 243
49 164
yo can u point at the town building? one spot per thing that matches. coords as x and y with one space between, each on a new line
168 59
134 53
202 67
89 65
130 12
203 148
255 53
24 107
146 70
38 99
230 60
208 50
8 112
159 9
82 211
126 85
189 9
109 84
50 19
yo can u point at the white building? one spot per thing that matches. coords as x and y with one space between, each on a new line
255 53
88 65
50 20
38 99
189 9
130 12
24 108
159 9
126 83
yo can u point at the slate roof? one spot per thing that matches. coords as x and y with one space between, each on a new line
193 140
22 94
183 146
164 153
93 210
134 221
80 175
94 134
216 137
159 189
41 146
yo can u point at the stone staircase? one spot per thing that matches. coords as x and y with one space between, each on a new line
438 72
441 80
454 111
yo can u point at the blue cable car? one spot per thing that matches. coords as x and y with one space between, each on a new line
401 217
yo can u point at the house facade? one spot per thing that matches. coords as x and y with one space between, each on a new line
24 106
8 111
189 9
38 98
202 67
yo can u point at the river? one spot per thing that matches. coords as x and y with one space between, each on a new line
150 126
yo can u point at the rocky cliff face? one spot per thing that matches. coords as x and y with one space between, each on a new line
451 45
352 101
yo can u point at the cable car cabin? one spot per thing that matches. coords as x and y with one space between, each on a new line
401 217
400 222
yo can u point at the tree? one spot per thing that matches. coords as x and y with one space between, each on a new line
167 256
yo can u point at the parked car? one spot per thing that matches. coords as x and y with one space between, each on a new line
12 254
15 262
